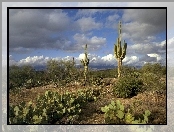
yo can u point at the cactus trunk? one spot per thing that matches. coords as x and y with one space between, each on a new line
119 67
119 51
85 63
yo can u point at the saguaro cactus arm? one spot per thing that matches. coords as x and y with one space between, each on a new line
124 50
115 51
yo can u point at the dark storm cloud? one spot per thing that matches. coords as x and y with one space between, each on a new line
33 28
48 29
142 24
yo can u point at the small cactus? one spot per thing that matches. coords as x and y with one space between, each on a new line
85 63
119 51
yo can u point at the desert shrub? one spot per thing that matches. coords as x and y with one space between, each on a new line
128 86
62 72
152 81
96 78
153 76
96 81
155 68
26 76
125 70
108 73
18 76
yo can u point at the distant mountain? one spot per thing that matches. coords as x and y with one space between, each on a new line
40 68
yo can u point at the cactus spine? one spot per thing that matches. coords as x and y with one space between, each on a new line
119 51
85 63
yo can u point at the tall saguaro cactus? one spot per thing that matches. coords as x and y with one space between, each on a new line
119 51
85 63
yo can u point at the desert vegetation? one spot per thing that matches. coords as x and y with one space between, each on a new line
60 95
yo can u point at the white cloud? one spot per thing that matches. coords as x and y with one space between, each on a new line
157 56
130 60
90 12
35 60
163 43
112 18
81 56
148 48
109 57
111 21
88 23
142 48
139 32
93 43
95 60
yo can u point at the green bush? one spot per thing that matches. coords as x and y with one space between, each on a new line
125 70
62 72
18 76
108 73
26 76
152 81
128 86
155 68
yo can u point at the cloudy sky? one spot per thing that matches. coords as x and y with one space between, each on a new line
38 35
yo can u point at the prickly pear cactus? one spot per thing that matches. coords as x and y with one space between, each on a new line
119 51
85 63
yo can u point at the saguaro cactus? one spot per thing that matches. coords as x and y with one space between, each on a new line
119 51
85 63
73 62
